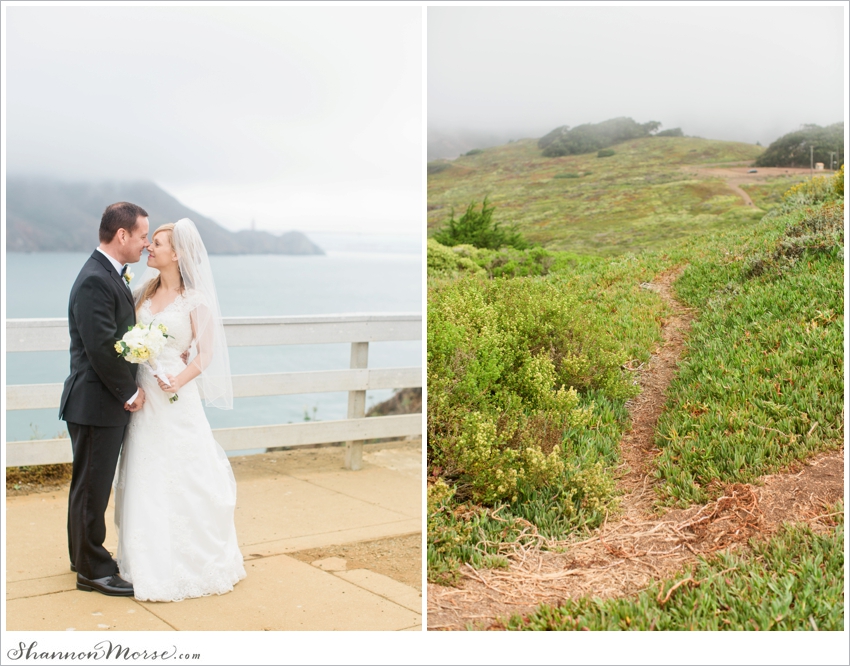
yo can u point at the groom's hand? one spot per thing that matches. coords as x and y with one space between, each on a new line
138 403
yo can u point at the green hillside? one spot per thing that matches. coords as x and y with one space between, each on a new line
639 198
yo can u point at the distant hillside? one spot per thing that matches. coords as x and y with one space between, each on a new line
46 215
450 144
651 191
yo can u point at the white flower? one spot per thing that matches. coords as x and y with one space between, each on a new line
135 337
154 340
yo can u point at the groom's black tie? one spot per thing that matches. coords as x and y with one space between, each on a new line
124 270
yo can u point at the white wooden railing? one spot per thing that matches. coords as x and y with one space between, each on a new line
33 335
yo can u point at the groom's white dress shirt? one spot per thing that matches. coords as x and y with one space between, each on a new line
118 267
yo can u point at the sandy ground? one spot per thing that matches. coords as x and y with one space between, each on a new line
399 558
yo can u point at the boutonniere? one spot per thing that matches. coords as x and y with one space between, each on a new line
127 277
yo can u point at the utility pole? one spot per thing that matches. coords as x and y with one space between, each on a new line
832 160
812 159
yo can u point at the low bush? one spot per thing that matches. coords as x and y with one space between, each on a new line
444 262
815 190
37 475
506 359
460 533
607 152
508 262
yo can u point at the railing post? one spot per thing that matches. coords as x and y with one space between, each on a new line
356 406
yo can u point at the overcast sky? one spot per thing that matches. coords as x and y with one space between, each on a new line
301 117
736 73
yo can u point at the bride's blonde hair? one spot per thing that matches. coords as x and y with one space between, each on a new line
154 284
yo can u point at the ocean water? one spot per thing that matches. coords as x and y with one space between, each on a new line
369 274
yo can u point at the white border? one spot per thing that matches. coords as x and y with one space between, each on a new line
439 647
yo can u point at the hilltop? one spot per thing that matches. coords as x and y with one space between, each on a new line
650 191
47 215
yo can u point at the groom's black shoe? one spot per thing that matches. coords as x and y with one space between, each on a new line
73 569
111 586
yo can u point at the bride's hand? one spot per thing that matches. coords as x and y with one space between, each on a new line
169 389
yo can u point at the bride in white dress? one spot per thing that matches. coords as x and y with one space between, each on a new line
175 493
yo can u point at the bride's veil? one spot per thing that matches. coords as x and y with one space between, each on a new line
211 358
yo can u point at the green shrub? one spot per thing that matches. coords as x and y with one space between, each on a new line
607 152
567 175
443 262
479 229
508 262
505 361
474 151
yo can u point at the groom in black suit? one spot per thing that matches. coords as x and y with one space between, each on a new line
101 392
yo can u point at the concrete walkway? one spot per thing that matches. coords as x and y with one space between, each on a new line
288 501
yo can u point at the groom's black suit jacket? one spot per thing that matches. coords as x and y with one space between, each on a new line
100 310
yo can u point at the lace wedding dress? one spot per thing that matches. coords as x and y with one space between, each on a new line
175 493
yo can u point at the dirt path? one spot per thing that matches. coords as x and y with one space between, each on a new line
641 545
737 174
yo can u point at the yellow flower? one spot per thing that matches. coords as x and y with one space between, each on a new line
119 348
128 276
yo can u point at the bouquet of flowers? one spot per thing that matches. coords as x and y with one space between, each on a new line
142 344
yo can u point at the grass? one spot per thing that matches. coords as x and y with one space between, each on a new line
795 581
639 199
762 383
